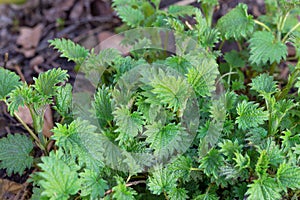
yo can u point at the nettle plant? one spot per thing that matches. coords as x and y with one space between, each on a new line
186 122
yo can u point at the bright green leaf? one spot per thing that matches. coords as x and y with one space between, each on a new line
211 163
70 50
63 100
46 82
58 180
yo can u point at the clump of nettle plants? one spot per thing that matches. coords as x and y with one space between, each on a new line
194 124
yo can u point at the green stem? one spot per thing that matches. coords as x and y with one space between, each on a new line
26 127
262 24
37 141
62 120
195 169
34 119
269 108
284 20
229 76
128 178
292 58
224 75
109 123
281 24
166 196
239 46
221 45
272 68
207 190
291 81
279 28
292 30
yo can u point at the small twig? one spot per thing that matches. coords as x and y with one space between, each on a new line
189 25
262 24
224 75
19 71
221 45
195 169
5 60
127 185
166 196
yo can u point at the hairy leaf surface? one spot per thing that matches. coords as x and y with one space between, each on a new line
250 116
264 189
47 81
288 176
8 82
264 48
58 180
93 185
15 153
236 23
70 50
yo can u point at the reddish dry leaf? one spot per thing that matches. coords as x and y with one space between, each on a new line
30 37
48 122
24 114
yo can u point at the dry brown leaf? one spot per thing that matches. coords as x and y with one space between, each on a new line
291 51
28 53
24 114
110 40
36 61
9 189
90 42
29 39
48 122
